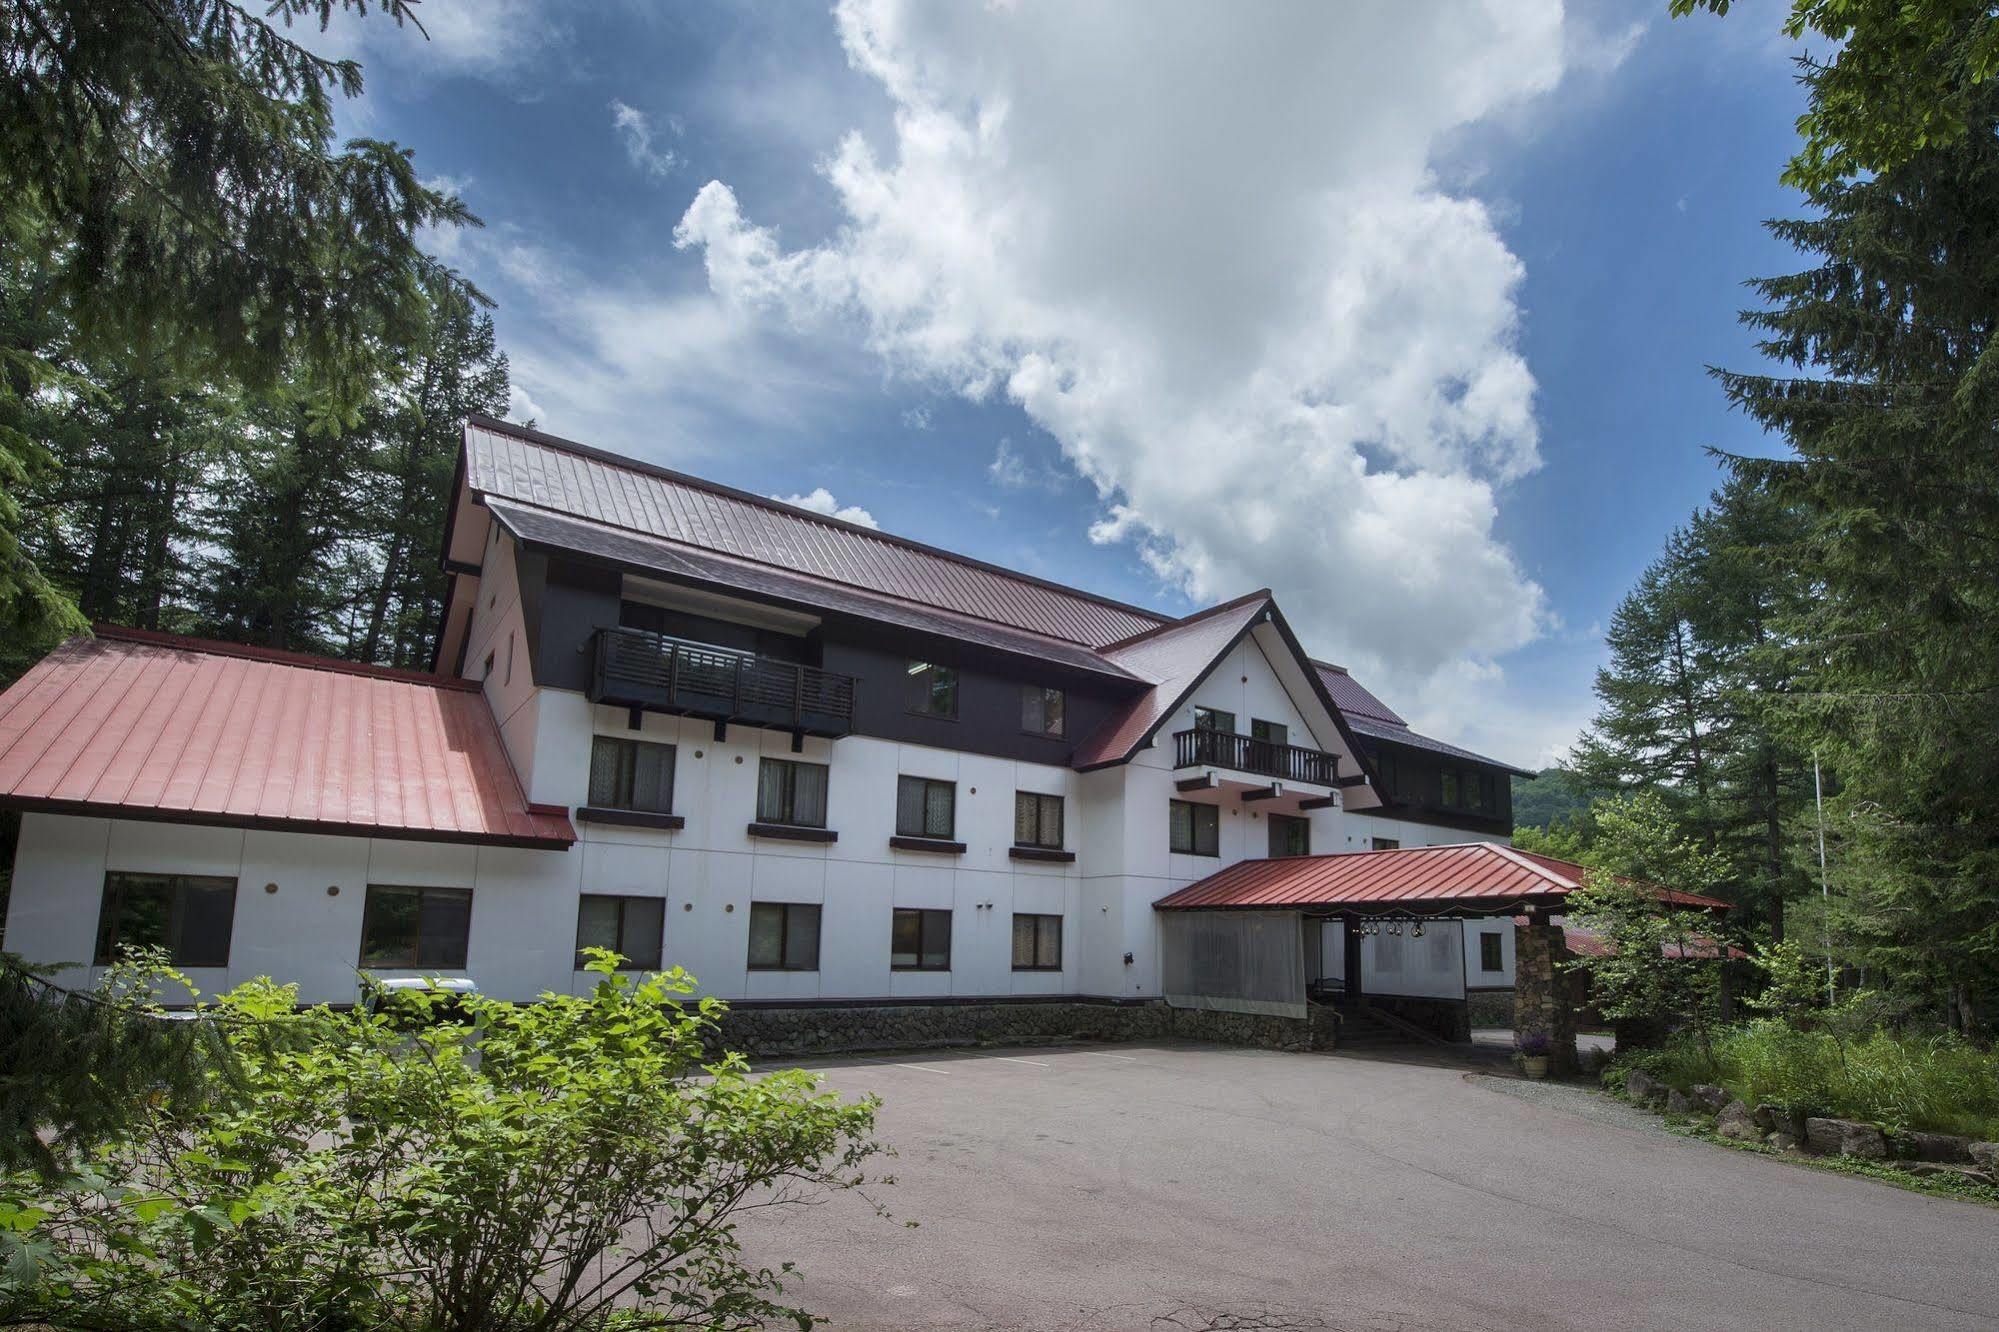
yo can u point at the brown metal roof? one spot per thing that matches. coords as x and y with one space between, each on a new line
138 725
1370 717
1483 876
532 468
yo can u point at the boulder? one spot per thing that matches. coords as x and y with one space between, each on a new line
1777 1119
1845 1137
1940 1169
1642 1087
1738 1123
1710 1097
1986 1154
1783 1142
1947 1148
1678 1102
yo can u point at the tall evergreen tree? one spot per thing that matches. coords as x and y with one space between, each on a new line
1893 420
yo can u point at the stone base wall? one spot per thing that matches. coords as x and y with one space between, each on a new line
800 1030
1490 1008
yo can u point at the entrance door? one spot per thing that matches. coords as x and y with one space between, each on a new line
1290 836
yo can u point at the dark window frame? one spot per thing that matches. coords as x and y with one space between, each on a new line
1041 807
1194 821
1213 715
1029 693
1384 844
786 912
787 816
111 910
625 782
951 831
927 917
424 893
631 961
1491 952
1299 821
923 687
1039 918
1283 736
1449 794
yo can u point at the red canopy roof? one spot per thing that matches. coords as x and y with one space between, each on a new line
1482 876
138 725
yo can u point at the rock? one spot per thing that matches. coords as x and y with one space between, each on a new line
1939 1169
1737 1122
1642 1087
1986 1154
1948 1148
1710 1097
1782 1141
1845 1137
1678 1103
1777 1119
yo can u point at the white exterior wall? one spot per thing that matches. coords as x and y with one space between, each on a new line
1363 828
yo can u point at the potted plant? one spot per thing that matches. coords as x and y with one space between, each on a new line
1534 1054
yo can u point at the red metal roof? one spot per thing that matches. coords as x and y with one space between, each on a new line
138 725
1486 876
550 473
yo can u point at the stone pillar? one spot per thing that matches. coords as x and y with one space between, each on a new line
1542 989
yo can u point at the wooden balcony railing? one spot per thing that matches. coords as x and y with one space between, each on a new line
1203 748
637 669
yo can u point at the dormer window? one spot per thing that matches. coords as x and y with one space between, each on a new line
933 690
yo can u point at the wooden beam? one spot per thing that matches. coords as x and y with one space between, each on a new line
1205 782
1354 779
1270 792
1320 802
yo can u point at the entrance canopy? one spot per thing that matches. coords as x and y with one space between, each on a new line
1471 879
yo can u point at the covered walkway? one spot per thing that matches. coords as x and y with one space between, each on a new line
1276 936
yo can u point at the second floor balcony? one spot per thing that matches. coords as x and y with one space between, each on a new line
637 669
1202 747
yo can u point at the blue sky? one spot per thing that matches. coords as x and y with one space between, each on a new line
1402 311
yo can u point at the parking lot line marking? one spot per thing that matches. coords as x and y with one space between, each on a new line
1100 1054
923 1068
1011 1060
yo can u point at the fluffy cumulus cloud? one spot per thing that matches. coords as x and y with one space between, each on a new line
821 501
1209 253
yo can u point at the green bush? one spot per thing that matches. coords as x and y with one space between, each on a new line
1940 1083
576 1163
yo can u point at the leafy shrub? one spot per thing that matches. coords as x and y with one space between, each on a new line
1939 1082
575 1163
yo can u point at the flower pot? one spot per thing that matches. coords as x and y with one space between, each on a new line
1535 1066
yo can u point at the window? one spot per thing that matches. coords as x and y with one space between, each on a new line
1451 787
189 915
920 941
1474 789
631 774
1037 943
1213 719
784 936
925 807
415 927
1270 732
1385 844
1290 836
1195 829
933 689
1037 820
791 791
628 926
1491 953
1043 710
1385 772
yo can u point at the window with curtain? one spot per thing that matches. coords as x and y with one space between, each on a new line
920 940
925 807
1194 829
1037 942
933 689
189 915
1042 710
791 791
784 936
415 927
631 927
631 774
1037 820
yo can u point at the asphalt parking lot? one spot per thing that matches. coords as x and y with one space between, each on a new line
1175 1186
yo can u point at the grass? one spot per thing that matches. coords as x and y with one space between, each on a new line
1939 1084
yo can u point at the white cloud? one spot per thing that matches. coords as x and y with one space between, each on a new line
522 408
917 418
635 129
482 38
1011 469
821 501
1212 257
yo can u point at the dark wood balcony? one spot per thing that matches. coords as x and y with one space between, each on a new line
1203 748
636 669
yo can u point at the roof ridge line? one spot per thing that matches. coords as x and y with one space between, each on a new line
1521 858
1181 623
558 442
277 656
